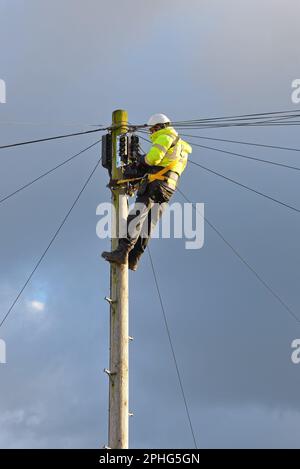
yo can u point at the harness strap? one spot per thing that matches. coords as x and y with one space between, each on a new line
121 181
160 175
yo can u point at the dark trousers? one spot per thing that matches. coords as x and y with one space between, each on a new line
148 208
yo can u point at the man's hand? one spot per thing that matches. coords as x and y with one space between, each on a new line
141 160
135 170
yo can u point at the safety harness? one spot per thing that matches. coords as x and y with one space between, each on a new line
160 175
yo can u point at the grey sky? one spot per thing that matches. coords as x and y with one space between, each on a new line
75 62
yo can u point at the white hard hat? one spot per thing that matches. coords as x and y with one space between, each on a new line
158 119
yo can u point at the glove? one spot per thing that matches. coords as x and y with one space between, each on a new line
134 171
141 160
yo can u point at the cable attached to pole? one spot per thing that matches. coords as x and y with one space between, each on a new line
291 207
47 139
240 155
48 247
172 349
47 172
261 280
240 142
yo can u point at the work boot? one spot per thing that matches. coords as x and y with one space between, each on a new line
118 256
133 261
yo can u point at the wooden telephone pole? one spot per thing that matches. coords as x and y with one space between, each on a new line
119 333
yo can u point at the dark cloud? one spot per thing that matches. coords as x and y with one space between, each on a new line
74 62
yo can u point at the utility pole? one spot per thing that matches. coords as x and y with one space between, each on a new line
119 332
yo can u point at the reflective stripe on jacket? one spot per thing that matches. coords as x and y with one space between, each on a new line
168 147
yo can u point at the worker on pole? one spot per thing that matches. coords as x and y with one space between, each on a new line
162 167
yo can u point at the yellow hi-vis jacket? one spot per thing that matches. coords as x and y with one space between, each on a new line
166 148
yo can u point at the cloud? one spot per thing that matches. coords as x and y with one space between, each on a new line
36 306
232 339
